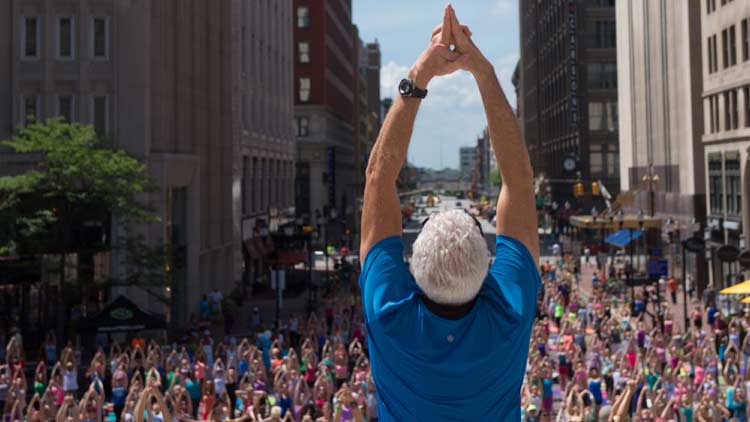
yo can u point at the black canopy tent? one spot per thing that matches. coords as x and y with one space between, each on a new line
122 315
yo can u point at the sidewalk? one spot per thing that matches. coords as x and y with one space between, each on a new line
676 309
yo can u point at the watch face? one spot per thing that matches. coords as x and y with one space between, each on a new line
405 87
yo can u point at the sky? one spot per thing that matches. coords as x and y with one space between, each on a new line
452 115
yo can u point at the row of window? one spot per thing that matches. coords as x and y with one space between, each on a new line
601 34
724 171
601 3
268 183
601 75
65 38
604 160
603 116
729 47
65 106
711 5
303 17
732 110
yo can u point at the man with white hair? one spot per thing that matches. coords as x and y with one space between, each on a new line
449 341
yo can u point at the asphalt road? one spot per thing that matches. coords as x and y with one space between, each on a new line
447 203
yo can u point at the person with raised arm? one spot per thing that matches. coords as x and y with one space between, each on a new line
448 337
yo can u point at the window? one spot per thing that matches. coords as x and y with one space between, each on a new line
710 55
730 110
715 183
747 106
304 89
602 75
30 38
302 125
613 162
29 109
65 38
100 38
732 46
612 116
601 3
734 188
715 115
100 115
303 52
711 113
725 48
602 34
715 55
303 17
596 160
596 116
65 107
745 40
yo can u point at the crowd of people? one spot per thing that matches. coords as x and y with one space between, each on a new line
596 353
599 353
315 368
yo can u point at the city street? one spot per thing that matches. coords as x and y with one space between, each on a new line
185 187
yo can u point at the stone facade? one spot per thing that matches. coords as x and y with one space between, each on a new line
200 90
725 36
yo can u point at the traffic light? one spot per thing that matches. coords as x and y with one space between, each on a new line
595 191
578 189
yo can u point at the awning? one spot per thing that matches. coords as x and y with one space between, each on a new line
123 315
738 289
622 238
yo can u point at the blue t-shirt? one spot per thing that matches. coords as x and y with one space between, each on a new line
428 368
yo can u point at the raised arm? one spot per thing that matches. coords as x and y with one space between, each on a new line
516 210
381 214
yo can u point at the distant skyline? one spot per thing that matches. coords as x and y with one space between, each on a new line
452 116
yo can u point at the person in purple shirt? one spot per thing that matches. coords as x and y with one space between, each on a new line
448 338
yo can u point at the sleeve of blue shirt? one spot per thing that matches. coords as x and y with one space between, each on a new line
513 281
385 281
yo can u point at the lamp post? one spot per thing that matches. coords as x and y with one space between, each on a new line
640 227
651 180
323 229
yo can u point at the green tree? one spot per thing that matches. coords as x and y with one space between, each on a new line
63 203
495 178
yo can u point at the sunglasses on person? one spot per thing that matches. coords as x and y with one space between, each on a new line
478 224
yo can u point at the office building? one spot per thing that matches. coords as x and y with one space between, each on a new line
326 78
200 91
567 93
725 37
466 162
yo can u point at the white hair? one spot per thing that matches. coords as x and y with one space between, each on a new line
450 258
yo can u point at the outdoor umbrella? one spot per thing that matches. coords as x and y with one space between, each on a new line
746 300
738 289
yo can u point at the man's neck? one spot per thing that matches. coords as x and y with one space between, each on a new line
449 311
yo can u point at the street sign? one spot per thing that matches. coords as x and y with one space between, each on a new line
658 268
695 244
728 253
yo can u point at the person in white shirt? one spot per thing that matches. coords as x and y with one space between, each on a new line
70 378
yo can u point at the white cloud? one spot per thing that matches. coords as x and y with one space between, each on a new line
390 75
504 7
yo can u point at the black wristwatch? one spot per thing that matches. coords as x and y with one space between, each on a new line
407 89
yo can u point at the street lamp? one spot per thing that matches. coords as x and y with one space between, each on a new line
651 180
323 228
640 227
